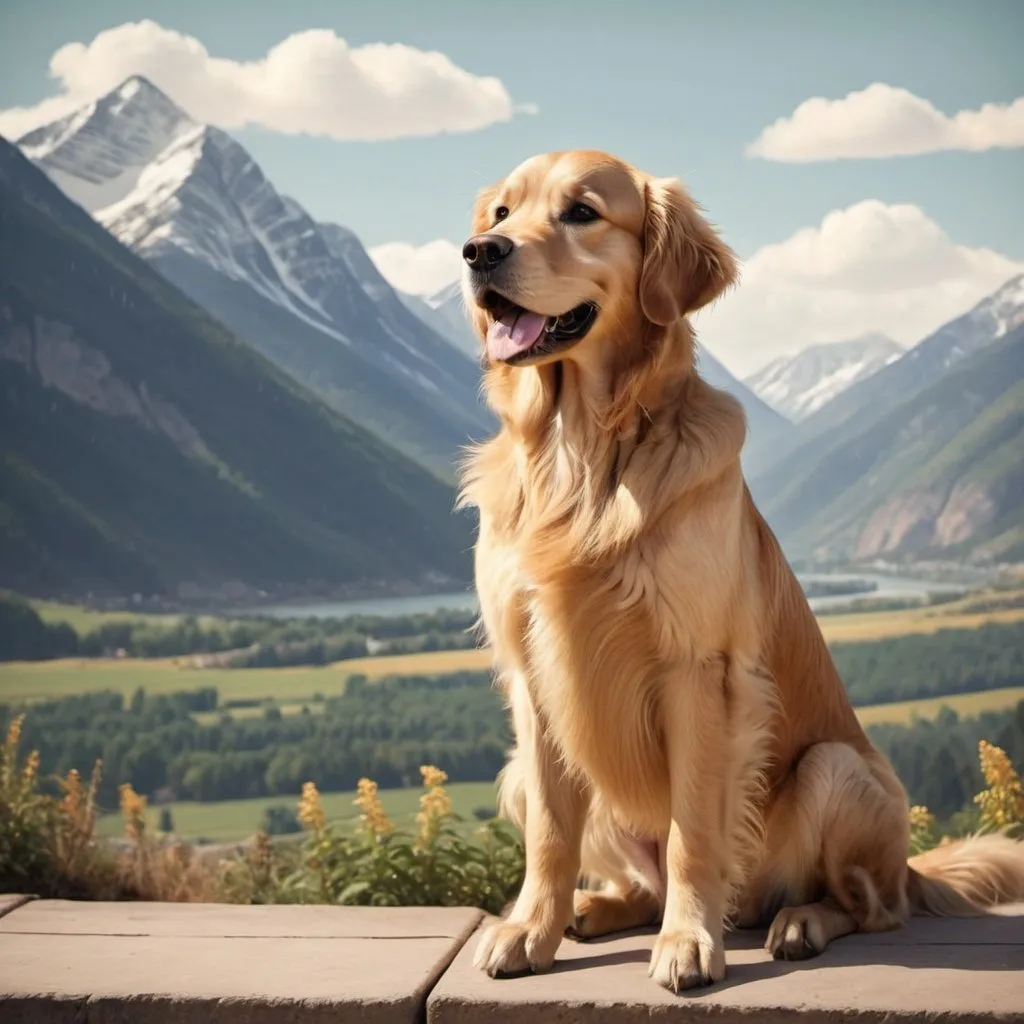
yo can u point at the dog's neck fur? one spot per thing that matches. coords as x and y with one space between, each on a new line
575 448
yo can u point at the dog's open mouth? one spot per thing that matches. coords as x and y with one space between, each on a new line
516 334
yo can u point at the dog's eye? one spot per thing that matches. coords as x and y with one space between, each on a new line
500 213
579 213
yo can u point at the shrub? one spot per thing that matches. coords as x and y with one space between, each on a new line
280 821
380 865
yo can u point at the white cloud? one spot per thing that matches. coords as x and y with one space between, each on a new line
884 121
418 269
312 82
869 267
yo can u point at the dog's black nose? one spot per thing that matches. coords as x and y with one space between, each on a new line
485 252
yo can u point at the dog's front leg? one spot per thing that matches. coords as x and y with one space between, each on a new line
689 950
556 805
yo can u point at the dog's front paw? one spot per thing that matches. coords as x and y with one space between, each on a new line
514 947
687 958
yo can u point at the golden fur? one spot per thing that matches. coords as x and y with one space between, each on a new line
682 737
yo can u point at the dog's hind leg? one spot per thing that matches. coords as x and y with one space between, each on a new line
838 838
628 870
801 932
604 911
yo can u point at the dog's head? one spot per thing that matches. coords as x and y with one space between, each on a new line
573 252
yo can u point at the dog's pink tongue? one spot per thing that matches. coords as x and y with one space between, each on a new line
514 333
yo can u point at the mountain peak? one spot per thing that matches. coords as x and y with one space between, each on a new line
96 154
1005 306
799 384
140 92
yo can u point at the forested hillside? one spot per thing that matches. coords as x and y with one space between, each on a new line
144 449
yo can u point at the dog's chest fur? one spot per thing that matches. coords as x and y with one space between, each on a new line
596 642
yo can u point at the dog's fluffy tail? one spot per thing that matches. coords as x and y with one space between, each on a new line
967 877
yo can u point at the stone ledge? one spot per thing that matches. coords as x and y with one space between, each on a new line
966 972
13 900
146 963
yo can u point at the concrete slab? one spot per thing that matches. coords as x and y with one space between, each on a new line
12 900
966 972
135 963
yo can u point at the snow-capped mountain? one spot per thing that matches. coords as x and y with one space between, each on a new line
797 385
993 317
190 200
927 361
829 437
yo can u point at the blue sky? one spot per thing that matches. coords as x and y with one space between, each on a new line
677 88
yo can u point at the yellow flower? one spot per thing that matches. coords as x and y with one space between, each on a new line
311 810
433 777
1002 804
9 752
30 771
72 786
435 805
133 807
14 733
921 819
374 818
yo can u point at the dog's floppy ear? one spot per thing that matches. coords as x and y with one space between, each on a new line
686 265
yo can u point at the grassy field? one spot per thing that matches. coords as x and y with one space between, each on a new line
967 705
26 681
82 620
861 626
237 819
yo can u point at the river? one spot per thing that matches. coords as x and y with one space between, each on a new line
887 587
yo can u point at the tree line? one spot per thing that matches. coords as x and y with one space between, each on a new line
949 661
386 730
254 642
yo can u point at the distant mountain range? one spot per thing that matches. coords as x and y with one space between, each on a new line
145 449
192 202
798 385
207 388
922 457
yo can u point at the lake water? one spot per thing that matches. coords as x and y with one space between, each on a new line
888 587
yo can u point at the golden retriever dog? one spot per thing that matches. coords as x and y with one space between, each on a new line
682 738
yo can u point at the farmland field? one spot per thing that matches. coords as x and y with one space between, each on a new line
232 820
